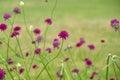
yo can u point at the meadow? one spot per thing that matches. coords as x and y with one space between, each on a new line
82 19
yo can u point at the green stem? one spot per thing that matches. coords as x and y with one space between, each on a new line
115 71
107 68
117 65
50 61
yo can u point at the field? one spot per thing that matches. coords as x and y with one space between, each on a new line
82 19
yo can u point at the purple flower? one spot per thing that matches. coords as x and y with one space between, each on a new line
75 71
88 62
48 21
2 74
0 42
59 75
27 54
115 24
15 33
36 31
10 62
16 10
80 43
37 51
21 70
7 16
56 43
39 38
63 34
112 78
91 46
34 66
3 27
49 50
17 28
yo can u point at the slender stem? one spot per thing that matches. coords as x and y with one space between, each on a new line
50 61
107 68
117 65
115 71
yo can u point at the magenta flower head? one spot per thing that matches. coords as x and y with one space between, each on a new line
56 43
39 38
81 42
63 34
91 46
15 33
49 50
37 51
88 62
112 78
17 28
48 21
21 70
36 31
7 16
17 10
75 71
3 27
34 66
115 24
2 74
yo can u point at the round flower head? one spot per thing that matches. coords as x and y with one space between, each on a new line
115 24
75 70
39 38
56 43
7 16
49 50
91 46
17 28
21 70
16 10
63 34
15 33
112 78
2 74
88 62
37 51
34 66
3 27
48 21
36 31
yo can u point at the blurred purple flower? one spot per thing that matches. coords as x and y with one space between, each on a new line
39 38
7 16
75 71
59 75
2 74
115 24
63 34
21 70
36 31
17 28
27 54
34 66
48 21
112 78
49 50
3 27
15 33
88 62
56 43
91 46
37 51
17 10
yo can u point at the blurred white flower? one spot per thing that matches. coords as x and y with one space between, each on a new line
31 28
21 3
18 64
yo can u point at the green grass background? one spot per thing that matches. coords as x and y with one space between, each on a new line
89 19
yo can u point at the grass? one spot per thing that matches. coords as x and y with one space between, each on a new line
82 18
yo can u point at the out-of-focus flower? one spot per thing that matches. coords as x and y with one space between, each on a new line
21 70
39 38
17 10
59 75
37 51
75 71
0 42
18 65
15 33
10 62
21 3
112 78
49 50
56 43
34 66
88 62
36 31
3 27
2 74
17 28
91 46
7 16
48 21
63 34
27 54
115 24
